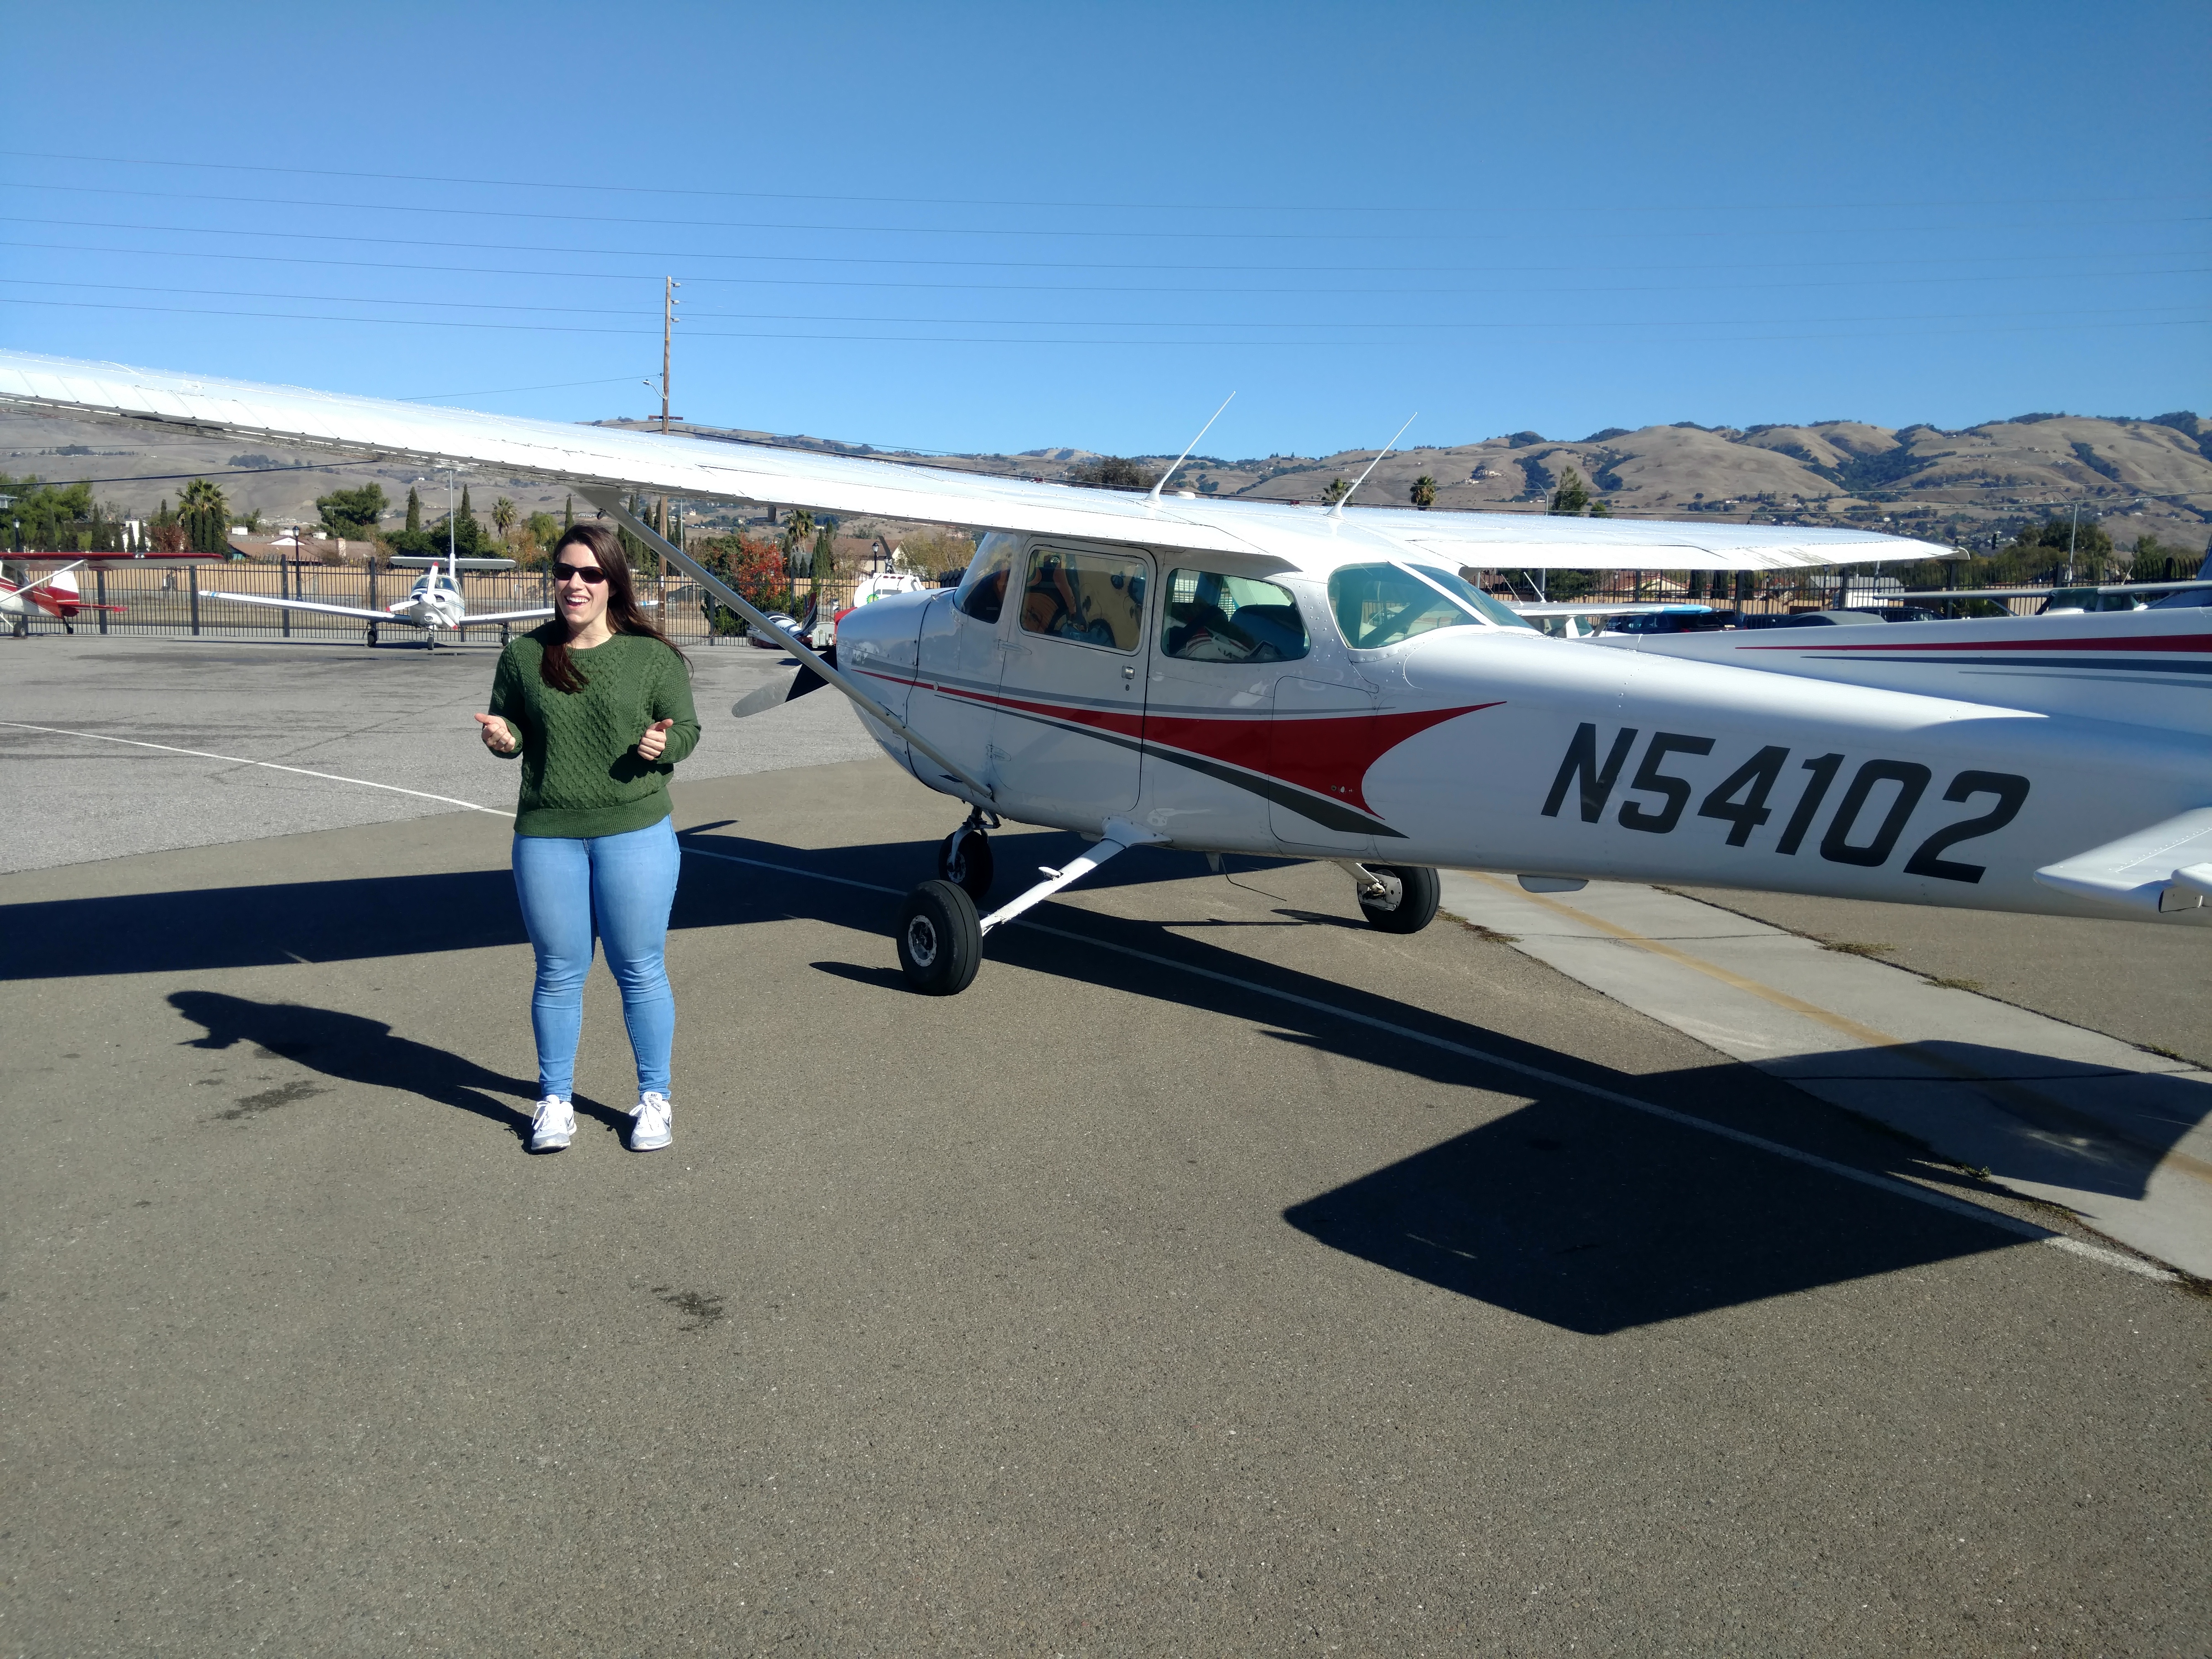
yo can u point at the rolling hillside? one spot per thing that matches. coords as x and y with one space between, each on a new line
2138 477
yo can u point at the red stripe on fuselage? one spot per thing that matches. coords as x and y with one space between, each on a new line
2199 642
1328 754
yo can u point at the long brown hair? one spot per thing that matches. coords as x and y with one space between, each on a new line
556 667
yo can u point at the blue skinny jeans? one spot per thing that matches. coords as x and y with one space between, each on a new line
614 889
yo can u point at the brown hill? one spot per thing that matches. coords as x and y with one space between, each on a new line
2139 477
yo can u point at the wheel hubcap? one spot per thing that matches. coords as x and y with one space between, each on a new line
921 942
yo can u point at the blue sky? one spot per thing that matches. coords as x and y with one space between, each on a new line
1003 227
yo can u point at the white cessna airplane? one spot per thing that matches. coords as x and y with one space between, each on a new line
1258 677
433 601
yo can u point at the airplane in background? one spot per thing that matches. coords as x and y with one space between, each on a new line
55 594
435 601
1246 677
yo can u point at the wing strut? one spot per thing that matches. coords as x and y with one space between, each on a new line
610 503
1121 836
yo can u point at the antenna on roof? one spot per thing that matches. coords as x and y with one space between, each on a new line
1187 447
1337 511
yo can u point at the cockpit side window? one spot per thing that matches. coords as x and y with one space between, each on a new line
982 591
1096 598
1211 617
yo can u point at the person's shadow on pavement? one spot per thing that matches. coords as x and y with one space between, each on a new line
356 1049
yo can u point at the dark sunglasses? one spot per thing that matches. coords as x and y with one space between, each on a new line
562 573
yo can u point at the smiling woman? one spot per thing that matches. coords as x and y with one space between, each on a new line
595 858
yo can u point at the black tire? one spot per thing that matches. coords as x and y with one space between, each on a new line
969 867
1418 891
940 942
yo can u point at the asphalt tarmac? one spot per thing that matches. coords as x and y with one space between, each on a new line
396 715
1216 1276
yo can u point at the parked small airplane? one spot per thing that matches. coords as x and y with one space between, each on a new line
435 601
1243 677
55 594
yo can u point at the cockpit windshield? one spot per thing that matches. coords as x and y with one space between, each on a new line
1380 604
982 591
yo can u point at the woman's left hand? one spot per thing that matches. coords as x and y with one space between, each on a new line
654 740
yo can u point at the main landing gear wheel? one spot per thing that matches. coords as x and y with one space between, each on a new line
964 859
940 940
1410 907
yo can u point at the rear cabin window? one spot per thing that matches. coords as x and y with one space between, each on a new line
982 591
1094 598
1211 617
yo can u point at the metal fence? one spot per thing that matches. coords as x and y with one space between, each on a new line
173 599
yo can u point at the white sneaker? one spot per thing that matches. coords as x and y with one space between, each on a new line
552 1128
656 1123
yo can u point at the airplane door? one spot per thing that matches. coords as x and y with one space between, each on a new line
960 655
1066 737
1323 742
1210 762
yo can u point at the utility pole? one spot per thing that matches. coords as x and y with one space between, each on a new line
667 340
2073 532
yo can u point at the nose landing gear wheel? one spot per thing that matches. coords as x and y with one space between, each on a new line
940 940
1411 908
964 859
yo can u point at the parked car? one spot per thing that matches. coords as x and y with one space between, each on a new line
769 642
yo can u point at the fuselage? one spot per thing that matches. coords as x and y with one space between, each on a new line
435 601
1232 706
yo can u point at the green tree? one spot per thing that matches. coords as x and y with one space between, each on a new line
206 517
544 529
796 529
414 511
1110 472
504 512
825 570
1573 497
1337 490
1424 492
353 513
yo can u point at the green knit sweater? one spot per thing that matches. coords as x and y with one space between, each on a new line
581 773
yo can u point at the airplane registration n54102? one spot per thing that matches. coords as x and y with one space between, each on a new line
1255 678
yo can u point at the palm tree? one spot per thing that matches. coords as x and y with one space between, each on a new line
203 495
797 529
206 515
1424 492
504 512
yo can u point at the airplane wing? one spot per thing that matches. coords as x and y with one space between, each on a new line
316 604
1634 608
506 617
688 466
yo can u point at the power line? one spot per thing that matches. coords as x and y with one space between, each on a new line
1123 288
1141 207
626 311
662 256
837 317
996 232
910 339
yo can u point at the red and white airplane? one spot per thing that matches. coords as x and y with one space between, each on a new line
1259 678
55 594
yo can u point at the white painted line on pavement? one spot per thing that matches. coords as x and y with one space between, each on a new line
234 760
1888 1184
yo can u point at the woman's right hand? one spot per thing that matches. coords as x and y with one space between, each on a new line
498 736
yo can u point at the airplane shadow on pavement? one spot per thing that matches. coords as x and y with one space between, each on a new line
1583 1213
